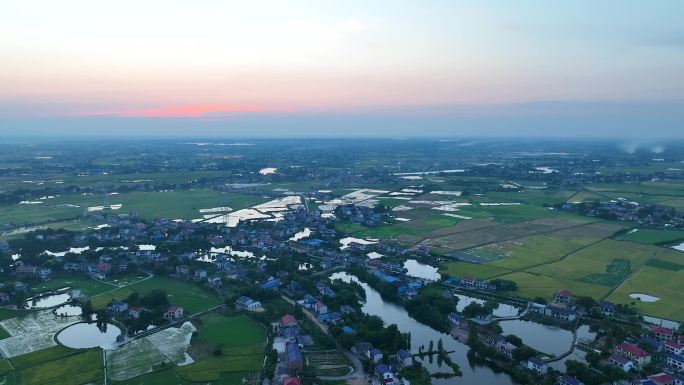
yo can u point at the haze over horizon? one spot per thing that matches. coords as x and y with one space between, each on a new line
333 69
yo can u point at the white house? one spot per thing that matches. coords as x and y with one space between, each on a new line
536 365
173 312
621 362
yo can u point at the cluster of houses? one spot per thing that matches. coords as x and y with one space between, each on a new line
561 308
288 344
470 283
664 343
121 308
363 215
624 210
385 372
24 271
407 287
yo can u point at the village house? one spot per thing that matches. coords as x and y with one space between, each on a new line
385 375
639 356
662 333
562 297
135 311
117 307
404 358
200 274
674 348
536 365
568 380
361 349
173 312
4 297
295 359
661 379
292 381
506 348
561 313
621 362
675 361
607 308
247 303
271 284
320 307
183 271
375 355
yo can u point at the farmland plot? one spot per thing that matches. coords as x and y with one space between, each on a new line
32 332
142 355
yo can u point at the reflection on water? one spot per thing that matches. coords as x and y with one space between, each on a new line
503 310
47 301
422 335
547 339
421 270
68 310
88 335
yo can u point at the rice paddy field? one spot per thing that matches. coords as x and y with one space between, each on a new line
585 260
181 204
145 354
32 332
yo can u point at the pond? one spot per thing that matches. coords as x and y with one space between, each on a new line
348 240
583 335
69 310
551 340
421 270
503 310
421 335
301 235
47 301
88 335
643 297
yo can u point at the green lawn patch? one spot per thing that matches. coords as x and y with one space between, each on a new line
193 298
231 332
86 285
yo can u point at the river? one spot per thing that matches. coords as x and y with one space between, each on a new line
422 335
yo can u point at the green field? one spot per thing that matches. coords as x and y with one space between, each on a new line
616 272
666 284
42 356
86 285
666 265
212 368
231 332
652 237
77 369
169 376
191 297
181 204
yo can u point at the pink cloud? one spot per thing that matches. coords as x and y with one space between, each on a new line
190 111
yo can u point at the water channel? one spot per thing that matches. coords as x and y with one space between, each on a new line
422 335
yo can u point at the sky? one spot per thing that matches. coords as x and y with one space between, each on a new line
342 68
